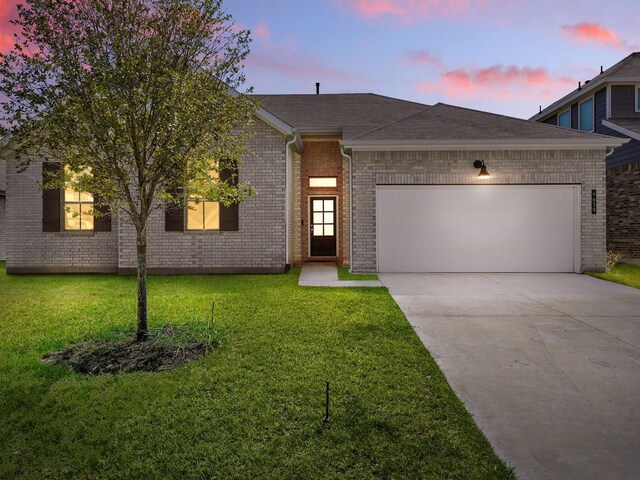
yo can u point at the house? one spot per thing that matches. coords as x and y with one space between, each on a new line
609 104
376 183
3 195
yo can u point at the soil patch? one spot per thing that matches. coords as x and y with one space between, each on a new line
165 349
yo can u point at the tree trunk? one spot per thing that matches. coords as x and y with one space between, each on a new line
142 333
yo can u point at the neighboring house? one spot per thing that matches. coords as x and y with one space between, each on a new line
610 104
3 195
374 182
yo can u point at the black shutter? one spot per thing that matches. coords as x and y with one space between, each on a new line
229 215
50 199
103 222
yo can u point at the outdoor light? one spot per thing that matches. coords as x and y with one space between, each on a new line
483 169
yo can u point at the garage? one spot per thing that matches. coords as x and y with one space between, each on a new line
478 228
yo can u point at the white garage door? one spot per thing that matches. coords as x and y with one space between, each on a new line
478 228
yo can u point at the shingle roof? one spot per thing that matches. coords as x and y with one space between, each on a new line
447 122
631 124
356 113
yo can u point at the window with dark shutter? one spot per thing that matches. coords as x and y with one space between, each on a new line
101 223
229 215
50 199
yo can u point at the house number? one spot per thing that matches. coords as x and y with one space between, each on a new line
594 202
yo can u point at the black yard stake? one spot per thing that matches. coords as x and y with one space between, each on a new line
326 414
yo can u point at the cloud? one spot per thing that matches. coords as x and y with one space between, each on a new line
498 82
423 58
8 11
408 11
586 32
262 32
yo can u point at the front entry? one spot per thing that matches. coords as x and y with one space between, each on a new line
322 230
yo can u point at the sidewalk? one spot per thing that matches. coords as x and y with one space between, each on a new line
326 275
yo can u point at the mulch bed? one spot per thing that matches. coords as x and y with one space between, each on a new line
125 355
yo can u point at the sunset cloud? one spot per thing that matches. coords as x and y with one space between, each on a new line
262 32
595 33
498 82
423 58
407 11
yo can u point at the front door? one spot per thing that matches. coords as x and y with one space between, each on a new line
323 227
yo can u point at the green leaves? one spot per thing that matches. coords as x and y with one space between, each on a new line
140 92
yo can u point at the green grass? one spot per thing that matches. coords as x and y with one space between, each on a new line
623 273
251 409
345 274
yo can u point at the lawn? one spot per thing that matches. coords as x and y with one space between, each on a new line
623 273
251 409
345 274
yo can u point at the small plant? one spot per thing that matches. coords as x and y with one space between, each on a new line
612 259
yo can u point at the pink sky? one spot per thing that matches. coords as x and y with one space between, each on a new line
507 56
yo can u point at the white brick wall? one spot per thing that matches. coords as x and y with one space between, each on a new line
28 248
259 245
3 228
583 167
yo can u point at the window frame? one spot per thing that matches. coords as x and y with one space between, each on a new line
593 113
80 204
568 111
204 228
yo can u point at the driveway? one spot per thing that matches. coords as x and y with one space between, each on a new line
548 365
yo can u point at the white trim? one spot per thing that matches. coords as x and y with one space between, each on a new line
577 233
622 130
274 121
587 143
348 157
568 110
288 186
593 114
569 98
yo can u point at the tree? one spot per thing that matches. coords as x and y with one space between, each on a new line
137 98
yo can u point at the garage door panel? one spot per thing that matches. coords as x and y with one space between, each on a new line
488 228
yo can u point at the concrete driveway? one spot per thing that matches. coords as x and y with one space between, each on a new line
548 365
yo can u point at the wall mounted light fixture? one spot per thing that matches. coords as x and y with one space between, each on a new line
483 169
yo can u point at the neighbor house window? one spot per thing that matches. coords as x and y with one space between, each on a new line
585 110
77 205
564 119
637 98
203 214
326 182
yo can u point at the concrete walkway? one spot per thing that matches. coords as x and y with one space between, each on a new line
548 365
326 275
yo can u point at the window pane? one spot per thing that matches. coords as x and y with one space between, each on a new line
71 216
328 205
86 219
564 119
638 99
328 230
195 216
328 218
317 205
586 115
327 182
70 195
211 215
86 197
317 230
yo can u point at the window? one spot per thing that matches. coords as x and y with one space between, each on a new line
564 119
637 98
585 114
77 205
326 182
203 214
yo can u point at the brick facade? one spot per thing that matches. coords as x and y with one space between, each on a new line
3 228
258 246
29 249
583 167
623 210
322 158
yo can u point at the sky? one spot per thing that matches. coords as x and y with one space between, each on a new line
503 56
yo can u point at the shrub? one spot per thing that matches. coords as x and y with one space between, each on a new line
612 259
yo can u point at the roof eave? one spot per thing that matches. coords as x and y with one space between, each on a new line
439 145
621 129
270 119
